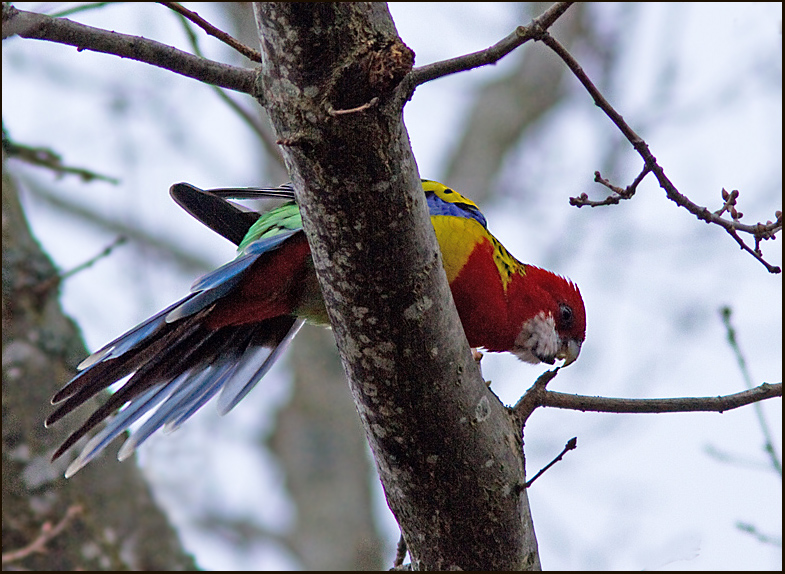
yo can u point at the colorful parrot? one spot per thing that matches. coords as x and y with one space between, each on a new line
226 334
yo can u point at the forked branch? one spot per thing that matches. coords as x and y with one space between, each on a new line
538 30
760 231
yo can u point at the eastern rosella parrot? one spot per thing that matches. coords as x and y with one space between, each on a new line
226 334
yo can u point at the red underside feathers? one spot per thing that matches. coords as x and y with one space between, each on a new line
272 287
481 301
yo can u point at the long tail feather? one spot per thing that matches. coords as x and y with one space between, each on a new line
173 386
176 361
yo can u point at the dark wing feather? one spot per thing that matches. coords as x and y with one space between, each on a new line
222 216
210 206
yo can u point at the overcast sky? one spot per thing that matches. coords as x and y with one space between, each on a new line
641 491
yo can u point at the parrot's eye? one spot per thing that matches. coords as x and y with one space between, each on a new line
565 315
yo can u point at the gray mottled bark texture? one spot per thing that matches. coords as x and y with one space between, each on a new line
447 452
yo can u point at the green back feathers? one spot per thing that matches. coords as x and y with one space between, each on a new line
279 220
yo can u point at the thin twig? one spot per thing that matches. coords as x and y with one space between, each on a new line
105 252
251 119
48 532
768 438
45 157
571 445
730 201
228 39
618 193
755 252
759 231
367 105
491 55
743 460
64 31
187 261
47 284
760 536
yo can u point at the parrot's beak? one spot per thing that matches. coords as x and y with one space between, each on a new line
569 352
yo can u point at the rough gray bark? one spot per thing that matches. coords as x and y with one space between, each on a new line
119 525
317 439
448 455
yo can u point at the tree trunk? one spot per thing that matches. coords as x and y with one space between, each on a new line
108 516
449 456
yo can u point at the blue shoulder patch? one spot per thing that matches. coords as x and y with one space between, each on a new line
438 206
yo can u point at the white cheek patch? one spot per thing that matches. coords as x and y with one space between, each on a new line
537 340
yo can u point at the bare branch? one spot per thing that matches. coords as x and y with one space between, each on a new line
47 158
48 532
64 31
491 55
187 261
253 120
774 459
572 444
760 231
717 404
227 39
44 286
760 536
618 193
756 252
538 30
533 398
